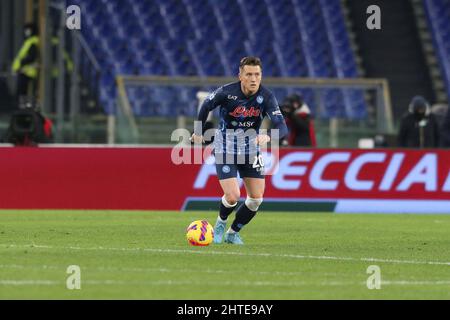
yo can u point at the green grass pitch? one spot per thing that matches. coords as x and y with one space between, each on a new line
144 255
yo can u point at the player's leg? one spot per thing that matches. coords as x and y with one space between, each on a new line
228 181
254 185
247 211
231 195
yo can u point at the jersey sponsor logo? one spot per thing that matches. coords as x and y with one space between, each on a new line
230 97
246 124
243 112
260 99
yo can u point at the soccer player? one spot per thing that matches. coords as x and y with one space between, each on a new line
243 105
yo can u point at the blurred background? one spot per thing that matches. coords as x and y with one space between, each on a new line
138 69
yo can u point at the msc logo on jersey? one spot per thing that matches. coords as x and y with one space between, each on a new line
260 99
245 124
242 112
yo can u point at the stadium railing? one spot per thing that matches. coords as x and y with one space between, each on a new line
128 125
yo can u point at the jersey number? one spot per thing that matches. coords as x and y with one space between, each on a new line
258 163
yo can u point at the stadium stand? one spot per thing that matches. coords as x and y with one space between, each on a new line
438 14
168 37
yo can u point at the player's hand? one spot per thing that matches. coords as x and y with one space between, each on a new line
262 139
197 139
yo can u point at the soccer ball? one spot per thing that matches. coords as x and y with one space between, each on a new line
200 233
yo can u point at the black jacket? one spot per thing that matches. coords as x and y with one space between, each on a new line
445 131
299 131
415 133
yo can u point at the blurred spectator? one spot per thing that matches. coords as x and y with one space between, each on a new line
68 65
418 128
439 110
445 130
26 63
299 122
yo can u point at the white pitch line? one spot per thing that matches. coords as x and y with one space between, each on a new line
30 283
170 283
16 282
416 283
17 266
150 270
233 253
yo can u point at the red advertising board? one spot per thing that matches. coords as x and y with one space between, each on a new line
147 178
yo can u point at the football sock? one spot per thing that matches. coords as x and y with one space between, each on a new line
221 220
226 209
243 216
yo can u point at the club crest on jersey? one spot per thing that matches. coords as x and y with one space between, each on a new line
242 112
260 99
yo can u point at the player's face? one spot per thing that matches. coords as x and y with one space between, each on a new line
250 77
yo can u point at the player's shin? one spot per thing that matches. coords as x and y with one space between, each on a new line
226 209
245 214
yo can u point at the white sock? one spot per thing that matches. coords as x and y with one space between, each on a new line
231 230
226 204
220 219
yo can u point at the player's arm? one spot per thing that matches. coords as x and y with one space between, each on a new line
210 103
278 123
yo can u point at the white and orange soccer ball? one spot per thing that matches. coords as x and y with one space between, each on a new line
200 233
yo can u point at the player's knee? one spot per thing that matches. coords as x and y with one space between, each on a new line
253 204
232 198
230 202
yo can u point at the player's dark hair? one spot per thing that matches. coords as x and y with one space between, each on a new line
250 61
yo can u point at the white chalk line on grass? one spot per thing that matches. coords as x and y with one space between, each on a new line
15 282
18 266
171 283
208 271
232 253
151 270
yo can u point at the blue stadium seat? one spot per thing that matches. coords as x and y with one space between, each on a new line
210 62
294 38
438 14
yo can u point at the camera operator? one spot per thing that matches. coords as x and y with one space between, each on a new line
28 127
299 122
26 63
